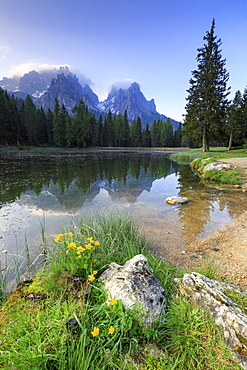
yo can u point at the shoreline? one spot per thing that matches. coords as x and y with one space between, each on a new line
226 248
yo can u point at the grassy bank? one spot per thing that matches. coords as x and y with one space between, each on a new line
62 319
228 176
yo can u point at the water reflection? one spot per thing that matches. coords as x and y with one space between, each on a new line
58 186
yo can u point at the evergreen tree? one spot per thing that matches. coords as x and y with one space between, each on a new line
100 131
30 120
244 128
146 137
207 100
94 132
110 135
41 126
136 132
49 127
235 119
69 131
126 129
177 136
81 124
56 124
154 130
9 119
166 133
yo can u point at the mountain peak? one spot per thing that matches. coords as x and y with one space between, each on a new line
46 85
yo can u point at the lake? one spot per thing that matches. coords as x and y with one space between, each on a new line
48 190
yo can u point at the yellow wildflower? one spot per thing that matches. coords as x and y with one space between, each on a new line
88 246
95 272
90 239
113 301
95 332
80 249
91 277
70 234
94 261
58 237
111 330
96 242
71 245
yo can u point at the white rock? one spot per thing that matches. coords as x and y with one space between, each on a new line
217 166
138 288
211 295
176 200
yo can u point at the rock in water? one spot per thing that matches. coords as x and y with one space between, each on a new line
138 288
214 296
176 200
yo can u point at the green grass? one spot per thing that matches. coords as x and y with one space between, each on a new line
197 159
33 330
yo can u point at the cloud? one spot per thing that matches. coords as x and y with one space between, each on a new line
123 84
20 69
4 50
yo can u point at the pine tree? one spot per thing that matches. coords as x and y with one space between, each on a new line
136 132
154 130
57 124
207 100
146 137
49 127
41 126
30 120
177 136
235 119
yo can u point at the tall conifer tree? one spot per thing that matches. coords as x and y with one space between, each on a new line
207 100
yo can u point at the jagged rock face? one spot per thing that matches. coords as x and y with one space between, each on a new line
35 83
60 83
138 288
10 84
69 92
133 101
214 297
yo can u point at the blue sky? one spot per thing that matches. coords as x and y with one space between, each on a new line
152 42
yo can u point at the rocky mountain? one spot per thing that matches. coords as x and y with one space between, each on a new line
134 102
68 91
60 83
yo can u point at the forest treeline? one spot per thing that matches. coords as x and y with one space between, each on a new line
22 123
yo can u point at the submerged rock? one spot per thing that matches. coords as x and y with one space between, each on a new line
138 288
220 300
176 200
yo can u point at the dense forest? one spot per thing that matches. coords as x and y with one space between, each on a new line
21 123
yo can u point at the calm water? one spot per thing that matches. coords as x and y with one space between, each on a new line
50 189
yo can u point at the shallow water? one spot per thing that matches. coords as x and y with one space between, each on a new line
47 190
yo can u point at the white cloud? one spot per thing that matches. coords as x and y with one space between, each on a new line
123 84
21 69
4 50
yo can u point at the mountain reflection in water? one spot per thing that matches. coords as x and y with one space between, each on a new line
58 186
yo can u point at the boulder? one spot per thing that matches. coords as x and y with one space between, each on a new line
176 200
218 166
217 298
138 288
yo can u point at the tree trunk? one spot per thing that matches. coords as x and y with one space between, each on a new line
205 146
230 141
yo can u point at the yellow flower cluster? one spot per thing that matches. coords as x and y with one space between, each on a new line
91 277
111 329
88 245
59 236
96 332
